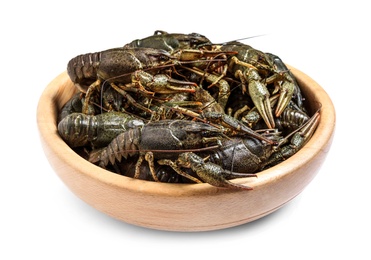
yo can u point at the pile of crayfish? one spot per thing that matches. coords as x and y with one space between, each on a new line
178 108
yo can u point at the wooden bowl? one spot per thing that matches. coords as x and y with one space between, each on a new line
184 207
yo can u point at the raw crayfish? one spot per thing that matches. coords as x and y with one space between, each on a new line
194 110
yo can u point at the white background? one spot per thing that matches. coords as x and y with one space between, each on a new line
329 41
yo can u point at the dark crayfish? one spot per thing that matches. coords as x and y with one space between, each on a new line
154 141
88 71
241 157
170 42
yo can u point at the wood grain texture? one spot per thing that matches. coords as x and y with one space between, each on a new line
184 207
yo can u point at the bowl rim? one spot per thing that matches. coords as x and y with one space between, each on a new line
51 101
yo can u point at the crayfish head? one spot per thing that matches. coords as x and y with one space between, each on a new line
158 56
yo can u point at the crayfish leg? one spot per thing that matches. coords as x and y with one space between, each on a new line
92 88
214 175
130 99
175 167
137 166
150 159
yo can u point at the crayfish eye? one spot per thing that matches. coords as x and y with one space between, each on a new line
163 58
137 43
205 133
194 42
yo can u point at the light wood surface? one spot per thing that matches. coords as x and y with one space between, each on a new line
183 207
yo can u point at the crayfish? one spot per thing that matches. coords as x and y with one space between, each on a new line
175 107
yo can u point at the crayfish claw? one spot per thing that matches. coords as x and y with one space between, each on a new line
286 93
217 177
260 97
263 105
309 128
210 172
